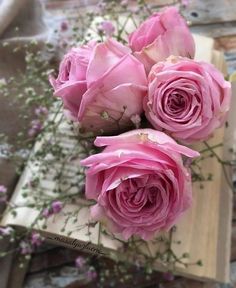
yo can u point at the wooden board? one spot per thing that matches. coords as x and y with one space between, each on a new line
214 18
210 11
204 231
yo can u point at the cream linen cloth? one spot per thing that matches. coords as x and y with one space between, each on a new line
27 15
8 11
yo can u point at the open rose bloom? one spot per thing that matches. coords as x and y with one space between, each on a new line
139 182
163 34
102 86
187 99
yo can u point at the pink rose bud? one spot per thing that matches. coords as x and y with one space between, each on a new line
101 85
139 182
186 98
57 207
163 34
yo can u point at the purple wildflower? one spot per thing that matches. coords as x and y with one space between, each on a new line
41 110
124 3
3 192
64 26
80 262
47 213
168 276
36 239
91 274
56 206
36 127
101 5
6 230
36 124
3 199
25 248
32 132
107 27
185 3
3 189
134 9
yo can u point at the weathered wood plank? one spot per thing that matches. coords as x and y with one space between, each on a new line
19 272
233 241
52 258
227 43
215 30
210 11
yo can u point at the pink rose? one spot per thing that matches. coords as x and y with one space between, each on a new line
187 99
163 34
71 84
102 86
139 182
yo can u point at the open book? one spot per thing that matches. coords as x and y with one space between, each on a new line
204 231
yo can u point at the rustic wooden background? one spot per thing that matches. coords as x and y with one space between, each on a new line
54 266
